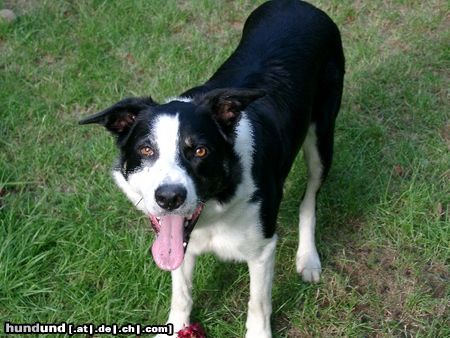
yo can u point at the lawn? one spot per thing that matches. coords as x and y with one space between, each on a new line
73 249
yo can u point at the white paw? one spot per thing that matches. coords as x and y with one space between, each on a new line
257 326
258 334
308 266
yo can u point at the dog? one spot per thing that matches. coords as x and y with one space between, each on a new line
208 167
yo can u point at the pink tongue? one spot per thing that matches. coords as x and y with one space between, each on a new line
167 249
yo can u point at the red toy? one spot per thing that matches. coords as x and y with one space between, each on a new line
192 331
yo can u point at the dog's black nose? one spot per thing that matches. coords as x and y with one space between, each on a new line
170 196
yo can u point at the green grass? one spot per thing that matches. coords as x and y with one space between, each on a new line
73 249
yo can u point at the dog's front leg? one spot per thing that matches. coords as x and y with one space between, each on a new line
181 304
260 304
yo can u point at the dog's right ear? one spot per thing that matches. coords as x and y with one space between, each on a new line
120 117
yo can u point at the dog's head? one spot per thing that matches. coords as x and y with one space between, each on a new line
174 157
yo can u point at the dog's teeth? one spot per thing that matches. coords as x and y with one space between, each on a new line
184 244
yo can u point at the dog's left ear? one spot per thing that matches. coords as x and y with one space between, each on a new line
120 117
227 104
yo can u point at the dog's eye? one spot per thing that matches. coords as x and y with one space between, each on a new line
146 151
201 152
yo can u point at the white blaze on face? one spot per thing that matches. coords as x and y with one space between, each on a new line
165 170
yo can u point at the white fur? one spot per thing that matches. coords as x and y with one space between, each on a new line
178 98
308 262
132 195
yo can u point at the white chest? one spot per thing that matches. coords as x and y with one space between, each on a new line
232 232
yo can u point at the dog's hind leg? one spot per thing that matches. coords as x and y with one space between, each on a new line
318 153
307 260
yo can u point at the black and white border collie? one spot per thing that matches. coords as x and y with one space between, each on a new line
208 167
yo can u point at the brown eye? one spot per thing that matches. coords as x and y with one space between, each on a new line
146 151
201 152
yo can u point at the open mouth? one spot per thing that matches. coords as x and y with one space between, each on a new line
172 238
